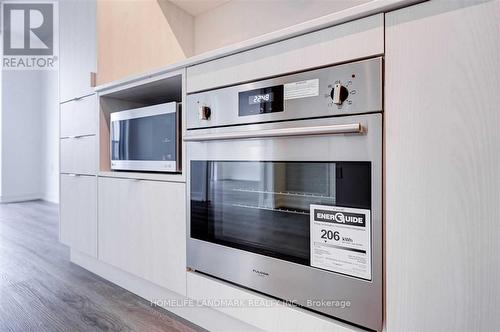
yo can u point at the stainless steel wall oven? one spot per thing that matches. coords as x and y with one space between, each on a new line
285 188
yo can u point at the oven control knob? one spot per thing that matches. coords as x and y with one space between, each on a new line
204 112
339 94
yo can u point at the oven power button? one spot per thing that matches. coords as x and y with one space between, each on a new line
204 112
339 94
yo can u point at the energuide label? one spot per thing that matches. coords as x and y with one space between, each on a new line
341 240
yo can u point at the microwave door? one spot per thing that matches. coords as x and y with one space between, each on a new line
145 141
115 140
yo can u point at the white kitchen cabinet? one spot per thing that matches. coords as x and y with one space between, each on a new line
77 48
78 213
79 155
442 172
142 229
79 117
345 42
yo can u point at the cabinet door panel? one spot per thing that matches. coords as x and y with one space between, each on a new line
142 229
77 48
443 167
78 213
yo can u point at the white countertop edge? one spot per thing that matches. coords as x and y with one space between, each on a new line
367 9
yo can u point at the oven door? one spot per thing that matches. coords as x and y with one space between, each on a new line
263 204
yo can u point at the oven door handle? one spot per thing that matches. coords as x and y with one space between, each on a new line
351 128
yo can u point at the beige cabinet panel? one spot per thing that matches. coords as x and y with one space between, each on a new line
142 229
78 213
79 117
79 155
77 48
442 173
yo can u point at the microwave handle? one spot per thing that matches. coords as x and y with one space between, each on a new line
178 135
352 128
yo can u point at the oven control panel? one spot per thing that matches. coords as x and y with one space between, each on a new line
351 88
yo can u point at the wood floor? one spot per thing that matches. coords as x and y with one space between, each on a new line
41 290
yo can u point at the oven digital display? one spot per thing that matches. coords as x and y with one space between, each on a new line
261 101
260 98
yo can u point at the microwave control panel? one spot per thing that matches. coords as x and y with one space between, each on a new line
351 88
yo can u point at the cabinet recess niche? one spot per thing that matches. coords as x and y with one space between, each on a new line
163 90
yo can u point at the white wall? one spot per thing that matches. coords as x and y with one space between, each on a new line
29 136
133 37
50 137
182 25
1 140
21 132
236 21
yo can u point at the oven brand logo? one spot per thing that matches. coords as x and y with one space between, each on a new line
339 217
260 273
30 36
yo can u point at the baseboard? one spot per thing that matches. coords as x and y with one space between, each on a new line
20 198
205 317
260 310
52 198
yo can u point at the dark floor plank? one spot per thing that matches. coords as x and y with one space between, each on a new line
41 290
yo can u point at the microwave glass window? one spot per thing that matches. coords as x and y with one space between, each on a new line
147 138
263 206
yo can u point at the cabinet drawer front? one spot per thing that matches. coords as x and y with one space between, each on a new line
345 42
142 229
78 155
78 214
79 117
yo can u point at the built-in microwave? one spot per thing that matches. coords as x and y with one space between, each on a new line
146 138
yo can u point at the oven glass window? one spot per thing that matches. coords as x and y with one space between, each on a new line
147 138
263 206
